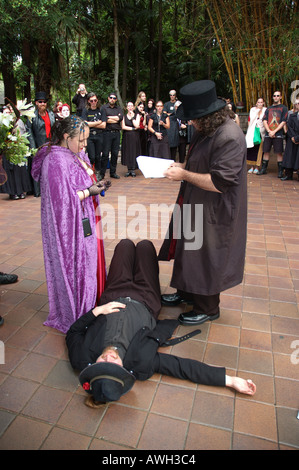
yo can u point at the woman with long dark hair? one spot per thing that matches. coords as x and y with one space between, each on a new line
130 146
70 220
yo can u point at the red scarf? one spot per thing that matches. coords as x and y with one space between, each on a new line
47 122
101 270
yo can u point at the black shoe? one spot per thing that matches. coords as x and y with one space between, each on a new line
127 174
1 321
133 174
193 318
101 177
8 278
114 175
171 300
286 178
14 197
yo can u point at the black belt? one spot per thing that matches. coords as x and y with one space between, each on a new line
95 132
108 130
169 342
172 342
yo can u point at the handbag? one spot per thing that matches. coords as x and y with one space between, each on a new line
257 136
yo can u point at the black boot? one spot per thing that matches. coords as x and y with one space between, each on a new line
263 170
280 170
288 174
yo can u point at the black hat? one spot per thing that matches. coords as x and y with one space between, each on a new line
41 95
106 381
198 100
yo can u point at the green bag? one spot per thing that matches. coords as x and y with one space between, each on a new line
257 136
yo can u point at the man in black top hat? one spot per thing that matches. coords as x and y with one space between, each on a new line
39 128
117 342
209 246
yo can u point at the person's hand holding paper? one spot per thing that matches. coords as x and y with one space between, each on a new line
175 171
153 167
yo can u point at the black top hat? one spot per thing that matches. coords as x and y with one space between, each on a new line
41 95
198 100
106 381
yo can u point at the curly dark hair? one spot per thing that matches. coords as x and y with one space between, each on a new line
70 125
208 124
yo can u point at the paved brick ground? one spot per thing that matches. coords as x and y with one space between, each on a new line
257 336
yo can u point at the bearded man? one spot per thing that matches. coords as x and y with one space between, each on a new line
214 190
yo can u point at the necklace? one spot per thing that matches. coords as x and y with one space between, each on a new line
86 167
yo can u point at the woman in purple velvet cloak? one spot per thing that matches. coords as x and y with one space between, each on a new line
74 257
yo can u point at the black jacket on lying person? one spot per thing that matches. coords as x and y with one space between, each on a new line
85 341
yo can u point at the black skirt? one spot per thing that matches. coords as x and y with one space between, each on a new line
159 148
18 179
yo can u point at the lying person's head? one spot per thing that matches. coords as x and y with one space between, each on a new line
107 380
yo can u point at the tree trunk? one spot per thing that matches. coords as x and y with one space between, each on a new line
44 69
125 67
116 54
159 67
8 78
26 57
151 51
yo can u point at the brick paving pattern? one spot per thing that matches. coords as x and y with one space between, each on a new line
257 336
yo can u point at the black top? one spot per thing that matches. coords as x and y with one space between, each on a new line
85 342
80 102
91 115
115 111
156 122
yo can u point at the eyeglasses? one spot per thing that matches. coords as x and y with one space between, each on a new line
41 101
113 97
93 101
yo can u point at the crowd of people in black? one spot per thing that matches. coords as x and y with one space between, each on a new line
146 127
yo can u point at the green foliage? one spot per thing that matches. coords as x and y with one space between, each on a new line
80 44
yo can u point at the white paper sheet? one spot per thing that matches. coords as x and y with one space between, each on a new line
153 167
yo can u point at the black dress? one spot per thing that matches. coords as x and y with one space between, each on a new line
291 153
130 146
159 148
18 179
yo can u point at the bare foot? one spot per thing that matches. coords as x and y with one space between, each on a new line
241 385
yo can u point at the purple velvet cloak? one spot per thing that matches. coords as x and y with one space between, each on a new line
70 258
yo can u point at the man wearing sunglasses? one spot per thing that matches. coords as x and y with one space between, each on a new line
274 120
39 129
111 136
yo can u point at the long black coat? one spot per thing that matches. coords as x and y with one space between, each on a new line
291 153
85 341
215 260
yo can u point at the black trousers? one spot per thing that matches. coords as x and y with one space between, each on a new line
111 142
134 272
94 149
203 304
